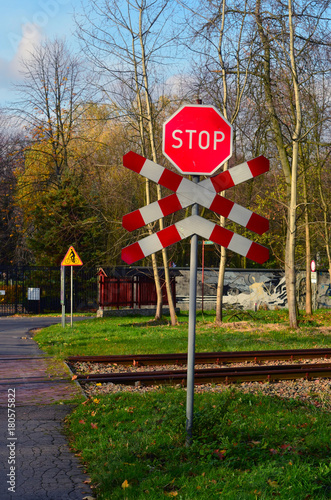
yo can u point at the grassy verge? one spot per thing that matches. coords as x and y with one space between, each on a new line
245 446
259 330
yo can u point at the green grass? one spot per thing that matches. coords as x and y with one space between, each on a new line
140 335
245 447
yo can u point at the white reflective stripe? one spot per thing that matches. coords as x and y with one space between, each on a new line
203 227
196 193
239 244
151 212
184 227
240 215
207 184
195 225
150 244
183 200
240 173
152 171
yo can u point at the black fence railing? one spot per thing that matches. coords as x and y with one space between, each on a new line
36 289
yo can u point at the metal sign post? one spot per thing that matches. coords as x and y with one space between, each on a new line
63 306
191 329
71 259
71 294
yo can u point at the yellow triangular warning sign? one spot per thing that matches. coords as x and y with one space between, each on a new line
71 258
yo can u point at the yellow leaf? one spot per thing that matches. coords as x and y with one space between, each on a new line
273 484
125 484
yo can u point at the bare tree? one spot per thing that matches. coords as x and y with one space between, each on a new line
53 95
286 36
125 40
11 158
223 39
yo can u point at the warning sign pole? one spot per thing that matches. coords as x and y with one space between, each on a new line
63 305
71 259
71 294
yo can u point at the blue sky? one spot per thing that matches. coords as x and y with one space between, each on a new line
24 23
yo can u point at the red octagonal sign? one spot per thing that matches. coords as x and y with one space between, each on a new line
197 139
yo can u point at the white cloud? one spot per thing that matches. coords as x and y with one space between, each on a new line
10 70
31 37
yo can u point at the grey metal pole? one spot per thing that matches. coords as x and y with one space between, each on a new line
63 271
191 328
71 294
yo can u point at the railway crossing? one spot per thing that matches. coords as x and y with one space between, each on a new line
197 140
204 193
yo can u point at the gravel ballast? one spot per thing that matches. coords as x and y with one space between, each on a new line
316 392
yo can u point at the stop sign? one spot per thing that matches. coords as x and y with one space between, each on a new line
197 139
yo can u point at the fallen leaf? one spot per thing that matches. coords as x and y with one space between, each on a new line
125 484
273 484
82 422
94 426
74 377
220 454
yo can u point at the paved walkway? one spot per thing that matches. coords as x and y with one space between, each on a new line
35 459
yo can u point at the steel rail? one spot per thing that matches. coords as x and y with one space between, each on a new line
206 357
217 375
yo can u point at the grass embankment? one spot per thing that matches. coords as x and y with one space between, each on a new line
245 446
259 330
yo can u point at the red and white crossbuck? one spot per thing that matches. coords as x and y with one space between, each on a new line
204 193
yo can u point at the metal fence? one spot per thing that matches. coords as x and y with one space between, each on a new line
36 289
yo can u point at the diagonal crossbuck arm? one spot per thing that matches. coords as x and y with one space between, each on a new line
186 228
203 193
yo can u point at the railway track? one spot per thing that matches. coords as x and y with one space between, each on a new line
225 374
221 357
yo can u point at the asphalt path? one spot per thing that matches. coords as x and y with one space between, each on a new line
14 330
36 462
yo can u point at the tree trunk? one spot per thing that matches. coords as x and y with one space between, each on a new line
290 176
308 249
326 224
220 286
158 312
172 311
